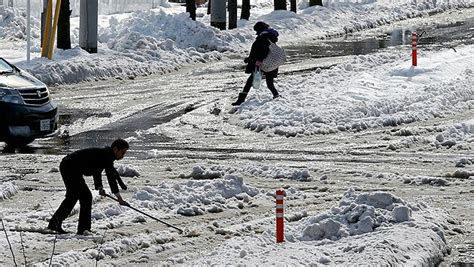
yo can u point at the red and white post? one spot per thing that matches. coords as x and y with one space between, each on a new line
280 237
414 39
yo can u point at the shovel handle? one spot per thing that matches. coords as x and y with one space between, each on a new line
139 211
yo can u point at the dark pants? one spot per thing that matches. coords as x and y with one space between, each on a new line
76 189
269 78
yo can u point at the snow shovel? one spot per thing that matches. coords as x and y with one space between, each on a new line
137 210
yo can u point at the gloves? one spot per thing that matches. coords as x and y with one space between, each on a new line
123 203
102 192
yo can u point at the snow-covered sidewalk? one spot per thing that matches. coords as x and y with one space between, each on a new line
369 91
165 39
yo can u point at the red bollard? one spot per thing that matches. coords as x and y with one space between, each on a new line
413 49
280 237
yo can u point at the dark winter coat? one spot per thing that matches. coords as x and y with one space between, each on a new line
91 162
260 50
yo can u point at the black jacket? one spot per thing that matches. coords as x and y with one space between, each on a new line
91 162
259 50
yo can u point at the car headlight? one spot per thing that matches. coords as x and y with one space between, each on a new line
10 96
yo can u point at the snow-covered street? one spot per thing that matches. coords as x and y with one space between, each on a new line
375 156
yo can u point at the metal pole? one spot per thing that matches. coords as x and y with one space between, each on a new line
88 22
43 20
28 29
413 49
280 236
232 7
218 14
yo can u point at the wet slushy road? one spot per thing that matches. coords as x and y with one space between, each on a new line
321 54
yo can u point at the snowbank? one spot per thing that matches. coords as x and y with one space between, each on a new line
302 174
13 24
457 134
160 40
371 91
375 228
196 197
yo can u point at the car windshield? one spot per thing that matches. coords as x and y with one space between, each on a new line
5 67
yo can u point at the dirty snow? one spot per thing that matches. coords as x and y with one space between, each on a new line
367 92
132 46
365 229
8 190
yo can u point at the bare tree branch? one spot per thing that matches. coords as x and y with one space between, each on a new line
10 245
23 247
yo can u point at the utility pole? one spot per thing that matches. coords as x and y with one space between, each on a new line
53 29
43 20
280 4
191 8
28 30
232 6
64 26
218 14
245 13
88 21
47 26
293 5
315 2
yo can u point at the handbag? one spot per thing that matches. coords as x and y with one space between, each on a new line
257 78
275 58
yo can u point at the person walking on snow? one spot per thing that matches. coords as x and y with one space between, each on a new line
258 52
88 162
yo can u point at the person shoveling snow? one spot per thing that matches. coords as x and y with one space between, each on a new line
88 162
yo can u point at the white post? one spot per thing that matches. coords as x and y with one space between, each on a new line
28 28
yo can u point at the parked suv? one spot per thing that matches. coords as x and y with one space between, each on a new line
26 109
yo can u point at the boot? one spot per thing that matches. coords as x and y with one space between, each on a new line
55 226
240 100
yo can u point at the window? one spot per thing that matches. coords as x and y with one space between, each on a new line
5 67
